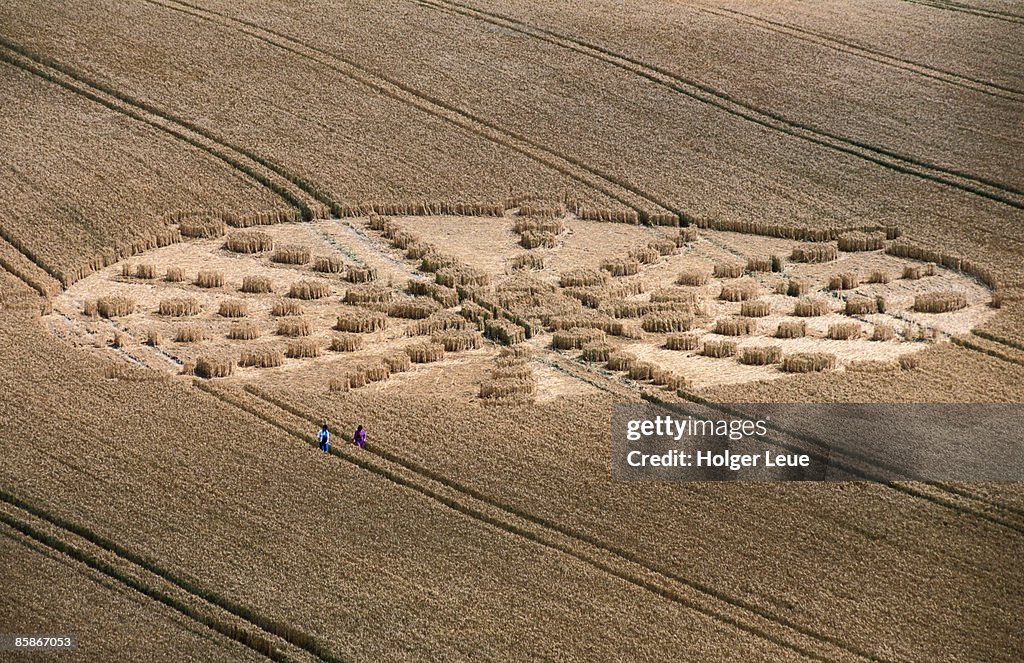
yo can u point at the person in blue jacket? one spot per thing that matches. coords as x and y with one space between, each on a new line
324 436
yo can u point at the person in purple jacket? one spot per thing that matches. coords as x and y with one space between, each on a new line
359 437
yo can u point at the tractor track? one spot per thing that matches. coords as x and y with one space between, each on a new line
874 55
969 9
273 640
623 192
763 117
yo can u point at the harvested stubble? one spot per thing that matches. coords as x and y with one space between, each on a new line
303 348
468 276
645 255
621 266
425 352
576 338
755 308
283 307
250 241
256 284
871 366
808 362
207 278
879 276
504 331
844 281
666 322
845 331
398 361
190 334
475 313
682 342
233 308
814 253
89 308
438 322
641 370
291 254
536 239
508 389
202 228
113 306
261 358
416 308
361 322
527 261
431 262
304 289
861 241
943 301
328 264
459 340
597 352
153 338
693 277
620 361
718 349
294 326
791 329
348 342
687 235
243 331
735 326
174 275
145 271
810 307
368 294
729 270
355 274
761 356
178 307
883 332
582 278
214 367
739 291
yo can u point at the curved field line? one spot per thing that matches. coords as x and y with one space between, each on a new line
905 164
969 9
583 547
626 193
850 48
266 630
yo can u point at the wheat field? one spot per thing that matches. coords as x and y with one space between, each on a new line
473 227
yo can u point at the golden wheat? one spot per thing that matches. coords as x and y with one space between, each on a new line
943 301
294 326
328 264
666 321
761 355
368 294
178 307
291 254
190 334
361 322
305 289
791 329
808 362
261 358
285 307
248 241
814 253
861 241
739 291
809 307
718 349
113 306
214 367
682 342
844 281
755 308
425 352
845 331
735 326
233 308
243 331
174 275
207 278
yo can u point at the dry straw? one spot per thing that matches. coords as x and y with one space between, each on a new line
145 271
294 326
799 287
576 338
302 348
879 276
913 272
438 322
291 254
504 331
597 352
718 349
174 275
256 284
641 370
646 255
468 276
861 305
305 289
693 277
120 339
233 308
861 241
735 326
620 361
261 358
397 361
347 342
909 362
113 306
368 294
361 322
809 307
729 270
328 264
153 338
537 240
178 307
883 332
443 295
202 228
508 389
425 352
214 367
675 296
582 277
433 261
524 261
739 291
755 308
243 331
459 340
283 307
682 342
791 329
354 274
687 235
943 301
760 264
666 322
190 334
621 266
844 281
761 356
845 331
207 278
248 241
814 253
416 308
808 362
871 366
